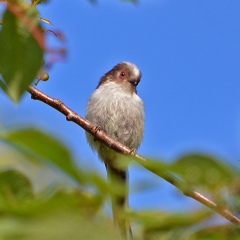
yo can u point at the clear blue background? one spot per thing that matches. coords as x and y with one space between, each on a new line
188 52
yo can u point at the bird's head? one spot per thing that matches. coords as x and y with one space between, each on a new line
125 74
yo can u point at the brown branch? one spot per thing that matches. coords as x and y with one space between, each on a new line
103 137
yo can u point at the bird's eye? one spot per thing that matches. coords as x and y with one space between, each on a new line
122 74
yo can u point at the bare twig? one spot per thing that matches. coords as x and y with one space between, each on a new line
103 137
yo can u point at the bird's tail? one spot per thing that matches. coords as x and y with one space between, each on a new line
119 178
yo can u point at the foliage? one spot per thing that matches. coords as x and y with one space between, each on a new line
73 205
19 47
44 194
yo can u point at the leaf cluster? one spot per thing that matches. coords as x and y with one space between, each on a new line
71 201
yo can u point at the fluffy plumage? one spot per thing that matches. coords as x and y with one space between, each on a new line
117 109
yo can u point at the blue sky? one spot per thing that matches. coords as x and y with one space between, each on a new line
188 52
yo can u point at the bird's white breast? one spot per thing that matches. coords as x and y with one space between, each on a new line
119 113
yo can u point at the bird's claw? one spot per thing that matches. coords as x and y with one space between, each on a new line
96 129
133 151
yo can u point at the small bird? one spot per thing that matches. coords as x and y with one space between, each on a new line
115 108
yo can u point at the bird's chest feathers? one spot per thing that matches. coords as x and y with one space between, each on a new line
115 103
117 111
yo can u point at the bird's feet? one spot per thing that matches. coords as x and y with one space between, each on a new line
133 151
96 129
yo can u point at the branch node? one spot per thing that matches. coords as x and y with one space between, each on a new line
34 97
70 117
57 102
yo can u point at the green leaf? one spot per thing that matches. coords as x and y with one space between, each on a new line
21 56
14 187
203 170
36 2
221 232
39 147
159 220
63 216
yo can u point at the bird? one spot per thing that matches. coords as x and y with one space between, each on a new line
116 108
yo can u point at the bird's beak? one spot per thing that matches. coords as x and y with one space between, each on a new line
134 82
